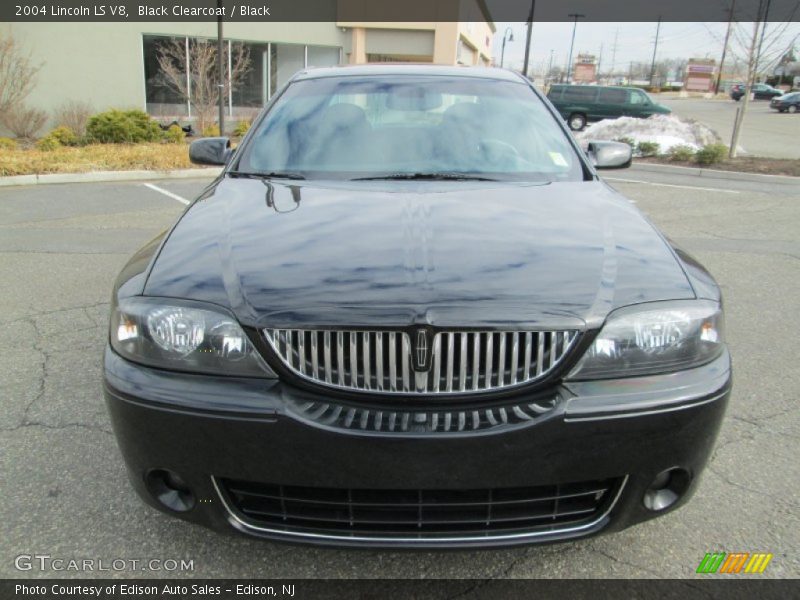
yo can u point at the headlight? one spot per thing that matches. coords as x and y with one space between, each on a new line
171 334
654 338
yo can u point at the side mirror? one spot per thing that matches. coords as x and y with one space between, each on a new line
610 155
210 151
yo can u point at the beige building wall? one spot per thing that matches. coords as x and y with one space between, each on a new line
466 41
103 63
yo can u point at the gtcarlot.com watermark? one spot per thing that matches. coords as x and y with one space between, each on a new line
45 562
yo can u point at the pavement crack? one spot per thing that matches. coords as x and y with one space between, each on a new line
59 427
726 480
28 318
624 562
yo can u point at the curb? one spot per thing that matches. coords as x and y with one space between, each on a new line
101 176
717 173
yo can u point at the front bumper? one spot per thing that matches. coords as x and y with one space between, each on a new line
214 429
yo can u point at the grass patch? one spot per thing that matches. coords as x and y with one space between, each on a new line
94 157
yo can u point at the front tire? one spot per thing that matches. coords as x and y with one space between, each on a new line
576 121
792 108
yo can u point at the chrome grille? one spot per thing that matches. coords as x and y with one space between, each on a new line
383 361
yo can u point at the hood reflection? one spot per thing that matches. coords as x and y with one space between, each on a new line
465 254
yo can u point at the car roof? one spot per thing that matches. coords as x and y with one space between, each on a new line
410 69
595 87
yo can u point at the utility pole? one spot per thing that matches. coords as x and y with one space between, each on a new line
763 31
599 61
725 47
508 34
220 73
574 16
528 39
614 52
655 49
549 67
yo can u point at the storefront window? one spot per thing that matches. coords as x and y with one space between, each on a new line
270 67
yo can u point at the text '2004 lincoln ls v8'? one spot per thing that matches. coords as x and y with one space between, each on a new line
408 313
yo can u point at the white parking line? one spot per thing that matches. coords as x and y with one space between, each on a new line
161 190
672 185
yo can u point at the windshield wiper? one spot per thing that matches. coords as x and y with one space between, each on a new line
268 175
435 176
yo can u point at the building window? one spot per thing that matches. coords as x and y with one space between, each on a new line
249 93
286 60
270 67
161 99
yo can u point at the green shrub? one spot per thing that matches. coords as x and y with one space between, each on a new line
64 136
174 134
241 128
7 144
210 131
48 143
626 140
647 148
712 153
681 153
120 126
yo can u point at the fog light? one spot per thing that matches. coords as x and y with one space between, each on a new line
170 490
666 489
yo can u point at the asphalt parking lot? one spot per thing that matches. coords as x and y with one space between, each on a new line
63 485
766 132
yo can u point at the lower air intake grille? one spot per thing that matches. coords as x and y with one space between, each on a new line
420 361
420 513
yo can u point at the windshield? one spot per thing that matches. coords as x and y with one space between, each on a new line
410 126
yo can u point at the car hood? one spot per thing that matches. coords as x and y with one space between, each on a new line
439 253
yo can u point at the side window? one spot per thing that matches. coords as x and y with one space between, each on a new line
638 97
578 93
612 96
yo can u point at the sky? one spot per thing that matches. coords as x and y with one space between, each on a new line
634 42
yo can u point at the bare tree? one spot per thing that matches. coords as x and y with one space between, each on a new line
24 122
17 74
760 44
199 86
73 114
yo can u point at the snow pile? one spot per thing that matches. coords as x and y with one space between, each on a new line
665 130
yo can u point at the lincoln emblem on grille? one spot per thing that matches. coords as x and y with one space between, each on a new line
421 350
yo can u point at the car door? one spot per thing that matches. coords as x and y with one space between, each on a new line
610 102
638 104
762 91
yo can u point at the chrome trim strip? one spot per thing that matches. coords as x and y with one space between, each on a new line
232 516
643 413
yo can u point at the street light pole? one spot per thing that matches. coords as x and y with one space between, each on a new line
574 16
508 34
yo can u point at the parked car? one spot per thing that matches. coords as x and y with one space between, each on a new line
409 313
581 104
761 91
786 103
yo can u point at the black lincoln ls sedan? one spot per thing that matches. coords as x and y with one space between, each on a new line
408 313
